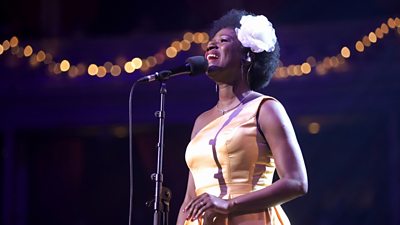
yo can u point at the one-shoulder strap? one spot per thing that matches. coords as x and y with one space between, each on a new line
265 98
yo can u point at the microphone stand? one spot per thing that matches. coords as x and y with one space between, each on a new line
162 195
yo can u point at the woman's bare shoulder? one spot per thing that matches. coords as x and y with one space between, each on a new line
202 120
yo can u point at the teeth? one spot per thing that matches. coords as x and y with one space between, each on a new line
212 56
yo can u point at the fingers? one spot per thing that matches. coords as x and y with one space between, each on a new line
202 207
196 208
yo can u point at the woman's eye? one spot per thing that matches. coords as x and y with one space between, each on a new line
224 40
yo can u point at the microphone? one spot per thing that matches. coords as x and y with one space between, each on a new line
193 66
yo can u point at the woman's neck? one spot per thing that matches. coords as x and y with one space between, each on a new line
231 94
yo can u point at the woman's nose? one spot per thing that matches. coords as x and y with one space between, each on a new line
212 45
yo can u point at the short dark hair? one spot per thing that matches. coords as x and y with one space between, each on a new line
264 63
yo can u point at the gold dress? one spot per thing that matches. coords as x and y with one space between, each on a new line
228 158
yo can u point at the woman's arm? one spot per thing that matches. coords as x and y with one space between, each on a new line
292 183
190 189
190 194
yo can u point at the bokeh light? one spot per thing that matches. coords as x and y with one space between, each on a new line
314 128
115 70
40 56
171 52
93 69
129 68
102 71
14 42
345 52
64 65
28 51
6 45
305 68
372 37
137 63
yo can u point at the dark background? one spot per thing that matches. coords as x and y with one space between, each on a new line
64 142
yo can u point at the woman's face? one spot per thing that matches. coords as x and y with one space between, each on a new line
224 53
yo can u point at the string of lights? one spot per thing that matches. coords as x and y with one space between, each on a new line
200 38
336 62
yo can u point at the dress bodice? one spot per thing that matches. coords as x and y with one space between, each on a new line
229 157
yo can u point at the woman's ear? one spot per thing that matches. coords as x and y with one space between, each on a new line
247 58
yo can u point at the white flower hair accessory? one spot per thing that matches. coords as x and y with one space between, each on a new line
256 33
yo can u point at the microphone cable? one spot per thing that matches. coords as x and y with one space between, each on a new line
131 168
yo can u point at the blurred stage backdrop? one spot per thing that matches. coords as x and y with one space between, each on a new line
66 68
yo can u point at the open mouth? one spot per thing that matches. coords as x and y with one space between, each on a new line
212 56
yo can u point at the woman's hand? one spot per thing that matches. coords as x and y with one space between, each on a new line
206 206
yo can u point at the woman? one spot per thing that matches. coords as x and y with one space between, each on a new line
237 144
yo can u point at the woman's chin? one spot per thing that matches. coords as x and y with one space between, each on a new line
213 69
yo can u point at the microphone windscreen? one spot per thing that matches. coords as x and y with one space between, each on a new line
198 64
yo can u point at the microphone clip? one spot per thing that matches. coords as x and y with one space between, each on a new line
160 76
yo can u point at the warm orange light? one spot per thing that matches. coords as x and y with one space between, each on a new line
28 51
335 61
385 28
327 62
379 33
188 37
320 69
366 41
152 61
290 70
372 37
198 38
281 72
160 58
206 38
73 72
102 71
177 45
48 59
297 70
93 69
391 23
56 68
359 46
6 45
32 60
129 68
397 22
108 66
185 45
14 42
1 49
41 56
345 52
115 70
305 68
64 65
314 128
145 65
137 63
171 52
